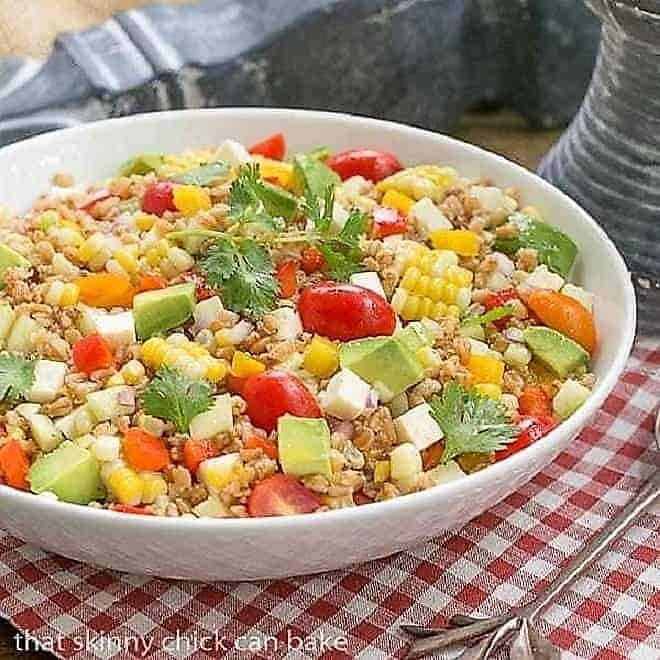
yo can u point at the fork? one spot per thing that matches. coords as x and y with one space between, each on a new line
483 637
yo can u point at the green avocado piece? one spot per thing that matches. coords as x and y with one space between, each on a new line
204 175
555 350
385 363
9 259
312 174
71 472
163 309
415 336
140 164
555 249
304 446
278 202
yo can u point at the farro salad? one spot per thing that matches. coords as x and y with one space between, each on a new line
230 333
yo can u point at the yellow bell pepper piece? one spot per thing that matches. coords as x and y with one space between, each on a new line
486 369
276 171
489 390
396 200
244 365
321 357
126 486
191 199
462 241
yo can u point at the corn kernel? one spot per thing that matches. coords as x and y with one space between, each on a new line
321 357
115 379
409 280
244 365
461 241
126 486
439 311
489 390
191 199
381 472
126 260
486 369
145 221
216 371
153 486
396 200
153 352
133 372
163 247
69 295
48 219
153 257
195 350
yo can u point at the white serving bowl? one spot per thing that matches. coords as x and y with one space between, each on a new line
236 549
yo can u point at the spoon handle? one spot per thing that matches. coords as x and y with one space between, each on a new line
648 494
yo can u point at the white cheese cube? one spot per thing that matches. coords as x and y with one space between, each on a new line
542 278
288 323
493 199
106 448
405 463
369 280
109 403
48 381
218 419
347 395
207 311
216 473
233 152
570 397
42 429
443 474
478 347
581 295
116 329
418 427
428 217
339 218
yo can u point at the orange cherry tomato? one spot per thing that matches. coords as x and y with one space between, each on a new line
281 495
287 278
534 401
273 147
257 442
106 290
566 315
14 465
196 452
144 451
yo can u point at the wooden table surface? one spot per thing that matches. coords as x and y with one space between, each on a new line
27 28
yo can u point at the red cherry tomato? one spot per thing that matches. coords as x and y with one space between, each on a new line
197 451
531 429
92 353
235 384
369 163
272 147
388 222
271 394
500 298
311 260
281 495
158 198
287 278
535 402
345 311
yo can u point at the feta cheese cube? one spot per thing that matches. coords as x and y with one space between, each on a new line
219 419
581 295
542 278
418 427
369 280
339 217
106 448
443 474
428 217
493 199
48 381
233 152
569 398
207 311
405 463
116 329
42 429
346 396
288 323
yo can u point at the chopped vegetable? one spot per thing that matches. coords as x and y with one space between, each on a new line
204 175
14 465
144 451
534 401
312 175
16 377
321 357
257 442
530 429
106 290
244 365
272 147
312 260
462 241
196 451
159 198
191 199
281 495
287 278
369 163
485 369
141 164
388 222
92 353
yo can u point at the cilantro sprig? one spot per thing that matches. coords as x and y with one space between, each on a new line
490 316
471 422
16 377
173 396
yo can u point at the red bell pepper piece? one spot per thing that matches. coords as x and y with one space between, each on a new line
369 163
92 353
273 147
388 222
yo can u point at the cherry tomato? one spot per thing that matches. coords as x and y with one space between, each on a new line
158 198
535 402
196 452
272 147
271 394
281 495
235 384
566 315
92 353
287 278
369 163
388 222
345 311
151 282
500 298
257 442
128 508
531 429
14 465
311 260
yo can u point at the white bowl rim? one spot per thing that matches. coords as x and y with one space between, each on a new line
413 501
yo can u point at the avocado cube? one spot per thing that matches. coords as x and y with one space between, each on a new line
415 336
71 472
8 259
158 311
304 446
312 174
385 363
141 164
555 350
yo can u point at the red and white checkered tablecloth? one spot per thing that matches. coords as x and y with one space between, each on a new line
485 568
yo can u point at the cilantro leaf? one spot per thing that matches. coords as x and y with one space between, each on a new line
470 422
16 377
490 316
244 273
173 396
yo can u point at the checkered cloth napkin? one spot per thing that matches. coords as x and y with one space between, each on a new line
491 565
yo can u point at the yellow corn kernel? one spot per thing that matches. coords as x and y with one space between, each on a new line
114 380
462 241
398 201
153 257
410 278
163 247
437 290
69 224
276 171
195 350
126 260
321 357
422 285
145 221
453 310
489 390
216 371
439 311
133 372
411 308
191 199
126 486
381 472
48 219
486 369
153 352
69 295
461 277
153 486
244 365
421 181
176 357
